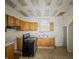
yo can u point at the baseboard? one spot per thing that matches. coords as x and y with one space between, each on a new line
59 46
46 47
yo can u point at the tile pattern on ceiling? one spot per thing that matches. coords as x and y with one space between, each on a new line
41 7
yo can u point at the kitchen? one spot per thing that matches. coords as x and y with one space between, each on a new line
48 30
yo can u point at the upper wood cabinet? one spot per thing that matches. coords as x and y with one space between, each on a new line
26 26
21 25
51 26
33 26
17 22
30 26
6 18
11 21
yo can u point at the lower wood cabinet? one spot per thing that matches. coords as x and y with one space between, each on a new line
19 42
9 51
46 42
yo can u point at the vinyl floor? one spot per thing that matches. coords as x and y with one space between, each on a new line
55 53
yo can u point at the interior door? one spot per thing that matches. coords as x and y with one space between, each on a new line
65 36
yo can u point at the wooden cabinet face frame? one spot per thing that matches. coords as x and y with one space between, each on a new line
19 43
24 26
9 51
17 22
33 26
46 42
11 21
27 26
51 26
6 21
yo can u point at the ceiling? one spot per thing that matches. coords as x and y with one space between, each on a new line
36 8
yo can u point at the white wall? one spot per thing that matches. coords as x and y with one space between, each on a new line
66 21
57 33
65 36
67 17
10 35
70 37
10 11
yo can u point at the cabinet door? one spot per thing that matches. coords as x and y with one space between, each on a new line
33 26
6 19
11 21
27 26
45 42
9 51
51 26
19 43
21 25
17 22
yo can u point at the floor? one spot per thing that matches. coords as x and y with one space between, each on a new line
56 53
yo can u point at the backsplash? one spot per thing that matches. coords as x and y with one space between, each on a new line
36 34
10 35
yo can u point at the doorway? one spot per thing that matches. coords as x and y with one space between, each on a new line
65 36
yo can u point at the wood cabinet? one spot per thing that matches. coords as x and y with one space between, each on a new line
26 26
17 22
9 51
30 26
19 43
11 21
46 42
51 26
6 18
23 26
33 26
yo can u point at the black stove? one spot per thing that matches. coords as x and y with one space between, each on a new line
29 45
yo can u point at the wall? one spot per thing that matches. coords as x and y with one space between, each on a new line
57 33
67 18
10 35
11 11
66 21
70 37
65 36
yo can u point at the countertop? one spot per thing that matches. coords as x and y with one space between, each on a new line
9 42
